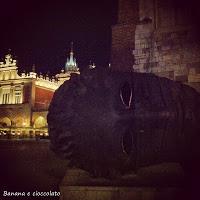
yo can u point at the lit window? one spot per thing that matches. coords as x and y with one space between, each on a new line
5 98
17 97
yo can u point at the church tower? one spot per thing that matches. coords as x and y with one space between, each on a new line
71 65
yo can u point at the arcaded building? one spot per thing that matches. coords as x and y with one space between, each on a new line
160 37
25 98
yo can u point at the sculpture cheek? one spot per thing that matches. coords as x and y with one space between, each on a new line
82 89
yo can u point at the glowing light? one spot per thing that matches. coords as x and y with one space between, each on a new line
46 134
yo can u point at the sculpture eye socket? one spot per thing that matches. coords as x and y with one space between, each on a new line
126 95
127 142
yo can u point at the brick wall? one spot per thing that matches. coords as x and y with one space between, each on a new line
122 47
172 48
123 35
160 37
127 11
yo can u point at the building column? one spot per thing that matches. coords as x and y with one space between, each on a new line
12 95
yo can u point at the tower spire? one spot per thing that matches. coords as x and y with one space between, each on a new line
9 51
71 59
72 47
71 64
33 68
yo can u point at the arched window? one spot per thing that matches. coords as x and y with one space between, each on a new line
40 122
5 122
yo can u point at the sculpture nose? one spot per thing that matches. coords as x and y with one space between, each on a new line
127 142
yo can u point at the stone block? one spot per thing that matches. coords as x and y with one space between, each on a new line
106 194
130 193
74 194
117 193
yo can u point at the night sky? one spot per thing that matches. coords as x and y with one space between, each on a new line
40 32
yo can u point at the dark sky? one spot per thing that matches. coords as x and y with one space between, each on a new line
40 32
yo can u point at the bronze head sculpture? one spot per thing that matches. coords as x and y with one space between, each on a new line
113 122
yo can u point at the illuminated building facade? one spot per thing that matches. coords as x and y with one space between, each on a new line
25 98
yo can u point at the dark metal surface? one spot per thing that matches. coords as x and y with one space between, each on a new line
112 123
